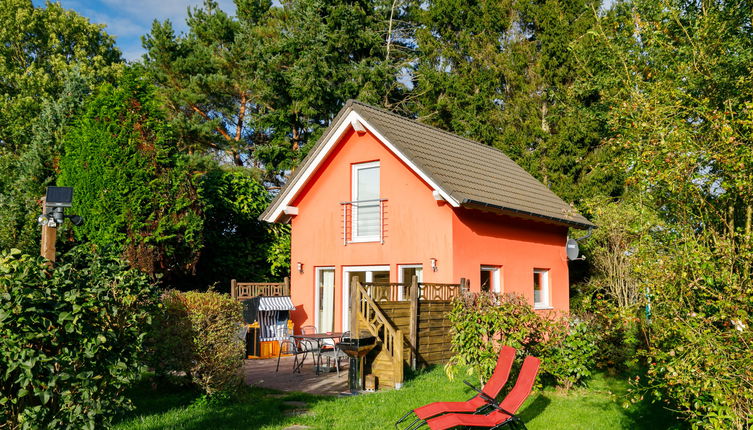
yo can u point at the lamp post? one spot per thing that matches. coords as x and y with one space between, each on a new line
53 215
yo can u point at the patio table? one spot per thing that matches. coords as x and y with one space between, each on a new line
318 338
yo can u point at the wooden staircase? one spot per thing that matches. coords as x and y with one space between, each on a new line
386 360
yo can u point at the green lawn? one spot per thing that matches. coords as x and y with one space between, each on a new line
597 407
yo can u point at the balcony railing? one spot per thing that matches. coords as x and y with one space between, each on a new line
363 221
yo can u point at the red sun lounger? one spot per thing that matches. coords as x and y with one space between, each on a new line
477 403
504 412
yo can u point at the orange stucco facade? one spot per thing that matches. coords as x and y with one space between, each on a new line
416 229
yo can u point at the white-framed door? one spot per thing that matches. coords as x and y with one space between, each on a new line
365 274
404 274
324 317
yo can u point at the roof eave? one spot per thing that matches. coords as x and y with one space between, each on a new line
571 223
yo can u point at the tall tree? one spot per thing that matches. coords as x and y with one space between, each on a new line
678 84
48 58
132 186
501 73
255 88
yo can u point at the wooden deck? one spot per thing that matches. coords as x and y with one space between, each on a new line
261 373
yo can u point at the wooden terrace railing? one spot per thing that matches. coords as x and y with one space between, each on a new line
247 290
396 292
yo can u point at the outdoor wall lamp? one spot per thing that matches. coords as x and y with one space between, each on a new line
434 264
300 267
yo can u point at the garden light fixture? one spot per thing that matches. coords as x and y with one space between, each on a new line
53 215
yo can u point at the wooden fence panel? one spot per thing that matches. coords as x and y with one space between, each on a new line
432 331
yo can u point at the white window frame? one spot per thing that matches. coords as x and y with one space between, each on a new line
354 208
496 277
545 290
316 291
400 279
346 287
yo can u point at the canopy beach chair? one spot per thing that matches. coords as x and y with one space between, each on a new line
476 404
504 412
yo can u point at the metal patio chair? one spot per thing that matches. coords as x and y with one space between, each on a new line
298 349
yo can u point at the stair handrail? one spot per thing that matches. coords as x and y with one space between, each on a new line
393 340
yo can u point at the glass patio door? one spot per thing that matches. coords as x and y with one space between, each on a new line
326 300
364 274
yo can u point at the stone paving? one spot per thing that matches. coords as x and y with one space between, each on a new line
261 373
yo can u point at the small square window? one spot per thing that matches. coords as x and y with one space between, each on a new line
541 296
490 279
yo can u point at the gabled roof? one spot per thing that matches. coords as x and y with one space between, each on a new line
463 172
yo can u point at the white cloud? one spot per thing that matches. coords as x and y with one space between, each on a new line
128 20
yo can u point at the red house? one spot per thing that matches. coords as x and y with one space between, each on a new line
383 197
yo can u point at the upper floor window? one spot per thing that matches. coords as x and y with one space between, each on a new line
366 205
541 295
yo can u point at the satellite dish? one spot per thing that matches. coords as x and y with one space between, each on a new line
572 249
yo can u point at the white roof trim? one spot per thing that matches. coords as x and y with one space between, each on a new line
334 138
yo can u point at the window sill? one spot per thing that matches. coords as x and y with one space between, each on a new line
365 240
542 308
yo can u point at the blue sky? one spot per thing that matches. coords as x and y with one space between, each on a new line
128 20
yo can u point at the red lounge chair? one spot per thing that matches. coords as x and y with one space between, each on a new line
477 403
504 413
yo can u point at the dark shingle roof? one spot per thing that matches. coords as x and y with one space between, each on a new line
472 173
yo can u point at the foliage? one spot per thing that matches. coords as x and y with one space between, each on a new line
216 320
41 45
677 79
49 58
242 86
70 338
169 339
501 73
131 185
201 329
570 360
620 333
622 241
700 333
30 171
278 256
236 243
484 322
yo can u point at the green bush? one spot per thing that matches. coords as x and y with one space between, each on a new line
170 339
483 322
196 334
619 334
71 338
570 360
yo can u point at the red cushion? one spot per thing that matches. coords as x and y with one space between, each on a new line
492 388
449 421
437 408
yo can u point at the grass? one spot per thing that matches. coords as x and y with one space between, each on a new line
598 406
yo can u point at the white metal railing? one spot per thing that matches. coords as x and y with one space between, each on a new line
363 221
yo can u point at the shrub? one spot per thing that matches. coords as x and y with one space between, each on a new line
619 334
483 322
197 334
170 339
570 360
70 338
